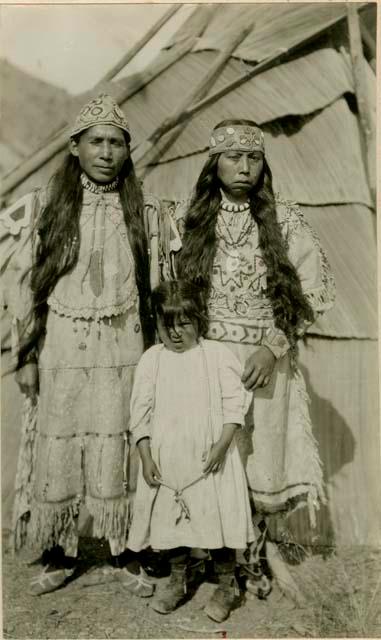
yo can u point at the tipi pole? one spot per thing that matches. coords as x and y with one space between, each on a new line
141 152
361 91
126 59
370 46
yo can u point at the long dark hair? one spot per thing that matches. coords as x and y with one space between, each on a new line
175 298
289 304
58 231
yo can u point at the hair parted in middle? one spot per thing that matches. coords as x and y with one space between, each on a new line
195 262
174 299
58 232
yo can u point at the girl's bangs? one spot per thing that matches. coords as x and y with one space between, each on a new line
169 313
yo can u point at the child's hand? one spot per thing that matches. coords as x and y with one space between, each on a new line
216 458
218 450
151 472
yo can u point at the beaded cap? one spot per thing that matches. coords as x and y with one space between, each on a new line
100 110
236 137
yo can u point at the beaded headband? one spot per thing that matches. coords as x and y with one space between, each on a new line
238 137
100 110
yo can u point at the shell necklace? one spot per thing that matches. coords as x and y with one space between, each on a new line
233 207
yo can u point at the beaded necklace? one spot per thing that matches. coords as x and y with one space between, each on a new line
229 242
89 185
225 231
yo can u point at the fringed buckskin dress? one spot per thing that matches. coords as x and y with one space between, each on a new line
77 452
277 445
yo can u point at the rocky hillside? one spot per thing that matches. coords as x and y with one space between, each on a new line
30 110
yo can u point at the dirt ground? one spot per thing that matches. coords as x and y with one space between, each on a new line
341 592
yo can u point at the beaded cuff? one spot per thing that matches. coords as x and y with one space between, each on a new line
277 342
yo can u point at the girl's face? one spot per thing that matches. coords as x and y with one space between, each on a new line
181 337
239 172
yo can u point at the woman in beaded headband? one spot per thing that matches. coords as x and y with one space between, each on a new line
242 243
232 142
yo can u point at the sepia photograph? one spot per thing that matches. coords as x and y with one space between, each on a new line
190 430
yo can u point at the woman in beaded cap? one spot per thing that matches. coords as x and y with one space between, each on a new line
266 279
79 298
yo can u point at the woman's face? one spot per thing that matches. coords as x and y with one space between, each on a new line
239 172
181 337
102 151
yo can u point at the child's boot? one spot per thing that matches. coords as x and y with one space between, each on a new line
169 595
222 601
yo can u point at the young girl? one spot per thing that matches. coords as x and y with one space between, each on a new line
187 402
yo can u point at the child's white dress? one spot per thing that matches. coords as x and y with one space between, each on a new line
181 401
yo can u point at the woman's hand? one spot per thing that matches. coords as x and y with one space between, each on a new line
151 473
27 379
258 369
